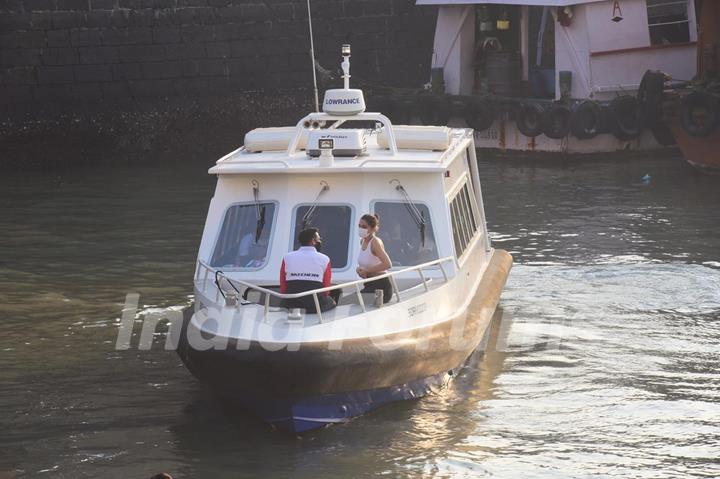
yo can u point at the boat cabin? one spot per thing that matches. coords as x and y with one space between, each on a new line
326 172
554 49
421 181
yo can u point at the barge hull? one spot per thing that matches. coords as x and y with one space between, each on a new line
702 153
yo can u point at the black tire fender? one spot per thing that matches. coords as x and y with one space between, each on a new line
556 122
626 120
479 115
586 121
528 118
650 96
691 123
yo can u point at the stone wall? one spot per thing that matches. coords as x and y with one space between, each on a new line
68 55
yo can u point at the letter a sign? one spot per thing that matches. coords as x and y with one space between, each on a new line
617 15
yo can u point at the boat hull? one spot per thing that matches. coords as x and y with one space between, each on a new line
301 414
324 383
699 152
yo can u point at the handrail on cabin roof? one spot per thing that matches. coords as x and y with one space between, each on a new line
366 116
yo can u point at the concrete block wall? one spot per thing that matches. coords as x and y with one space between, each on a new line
94 52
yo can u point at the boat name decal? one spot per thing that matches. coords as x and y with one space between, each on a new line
418 309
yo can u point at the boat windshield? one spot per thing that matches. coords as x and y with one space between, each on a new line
244 237
333 221
402 236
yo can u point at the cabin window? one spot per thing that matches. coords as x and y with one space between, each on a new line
244 237
333 221
668 21
464 216
402 236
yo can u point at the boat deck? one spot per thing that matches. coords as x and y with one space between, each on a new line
349 304
261 313
348 320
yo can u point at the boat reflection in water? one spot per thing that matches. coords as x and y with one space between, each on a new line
300 370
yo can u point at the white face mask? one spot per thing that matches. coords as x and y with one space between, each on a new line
362 232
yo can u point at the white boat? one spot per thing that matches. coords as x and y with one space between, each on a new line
558 76
300 370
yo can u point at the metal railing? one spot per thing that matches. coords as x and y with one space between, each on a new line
365 116
206 272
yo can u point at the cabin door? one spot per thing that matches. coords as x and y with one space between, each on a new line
541 52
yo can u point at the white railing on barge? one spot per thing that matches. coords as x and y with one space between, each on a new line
215 276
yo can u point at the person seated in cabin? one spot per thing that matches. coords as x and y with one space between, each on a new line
373 260
306 269
396 244
252 250
243 253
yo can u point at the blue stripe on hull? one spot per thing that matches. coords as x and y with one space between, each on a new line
307 413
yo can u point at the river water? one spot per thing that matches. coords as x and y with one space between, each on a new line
602 361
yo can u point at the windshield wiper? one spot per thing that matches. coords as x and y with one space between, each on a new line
260 224
259 211
310 214
417 216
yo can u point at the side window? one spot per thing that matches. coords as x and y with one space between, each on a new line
244 237
668 21
402 236
333 221
463 214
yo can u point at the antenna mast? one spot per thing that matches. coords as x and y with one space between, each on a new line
312 56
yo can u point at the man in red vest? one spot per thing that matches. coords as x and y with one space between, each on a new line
306 269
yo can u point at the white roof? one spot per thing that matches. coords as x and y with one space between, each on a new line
539 3
377 159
